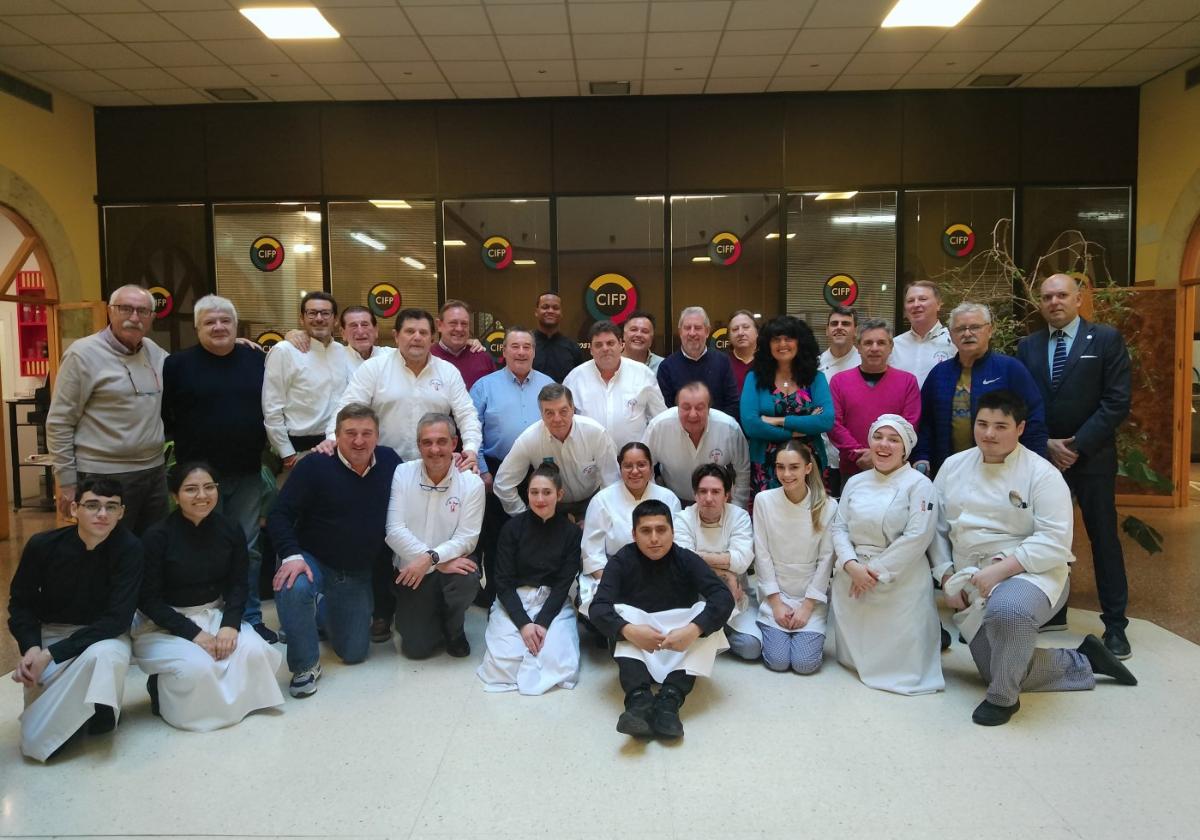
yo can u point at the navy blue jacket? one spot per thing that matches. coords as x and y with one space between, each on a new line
993 372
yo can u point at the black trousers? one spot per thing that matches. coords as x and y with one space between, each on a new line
635 675
1097 497
433 612
383 587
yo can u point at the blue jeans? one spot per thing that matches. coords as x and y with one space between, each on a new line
240 499
339 601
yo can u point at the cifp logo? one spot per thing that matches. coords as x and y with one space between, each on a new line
958 240
452 503
720 338
724 248
496 252
383 300
611 297
841 290
494 341
266 253
269 339
164 301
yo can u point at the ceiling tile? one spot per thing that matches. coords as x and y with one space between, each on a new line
1126 36
357 93
449 20
1008 13
438 90
100 56
1186 35
246 51
485 90
605 69
689 17
542 71
757 41
29 7
96 6
608 17
474 71
535 46
917 39
36 58
463 48
877 64
1088 11
1128 78
295 93
669 86
737 85
667 44
173 96
1056 79
825 64
1148 10
143 27
142 78
607 46
319 52
273 75
1018 62
929 81
76 81
768 14
944 63
342 73
677 68
746 66
207 77
532 89
214 25
876 81
830 40
376 22
528 20
1090 61
390 48
58 29
10 36
977 38
114 98
408 72
186 5
849 12
339 3
175 54
801 82
1156 60
1052 37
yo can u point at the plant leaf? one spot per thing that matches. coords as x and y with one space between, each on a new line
1143 534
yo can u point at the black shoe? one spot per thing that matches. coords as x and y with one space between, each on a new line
104 720
1117 643
635 720
945 639
1058 621
665 720
1104 662
989 714
152 688
458 647
381 630
268 635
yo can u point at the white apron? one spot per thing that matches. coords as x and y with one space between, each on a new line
587 591
969 620
509 666
197 692
745 611
816 621
696 660
66 697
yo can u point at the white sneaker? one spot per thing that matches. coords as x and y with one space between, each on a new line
304 683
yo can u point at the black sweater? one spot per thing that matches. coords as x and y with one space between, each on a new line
188 565
676 581
536 552
60 582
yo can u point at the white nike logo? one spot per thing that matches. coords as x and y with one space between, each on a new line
990 381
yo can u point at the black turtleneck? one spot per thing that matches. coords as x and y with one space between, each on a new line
536 552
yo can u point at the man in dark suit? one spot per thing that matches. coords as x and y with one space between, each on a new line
1082 370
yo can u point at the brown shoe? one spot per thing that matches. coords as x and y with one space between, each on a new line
381 630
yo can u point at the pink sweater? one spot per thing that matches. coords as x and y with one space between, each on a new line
856 405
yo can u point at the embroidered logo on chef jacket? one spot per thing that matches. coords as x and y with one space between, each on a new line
590 469
715 456
452 504
435 384
941 356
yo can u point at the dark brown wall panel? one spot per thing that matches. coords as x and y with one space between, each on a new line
495 148
851 140
610 146
726 142
269 151
961 137
1079 136
377 150
150 153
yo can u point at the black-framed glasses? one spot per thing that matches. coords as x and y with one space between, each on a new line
318 314
970 328
126 310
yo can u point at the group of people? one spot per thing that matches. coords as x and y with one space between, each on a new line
674 508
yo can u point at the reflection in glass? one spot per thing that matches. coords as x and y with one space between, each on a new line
1101 215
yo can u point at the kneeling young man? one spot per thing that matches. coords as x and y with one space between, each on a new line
664 608
1004 531
70 607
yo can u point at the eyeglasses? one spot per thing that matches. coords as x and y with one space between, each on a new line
126 310
197 489
318 314
93 507
137 391
970 328
432 488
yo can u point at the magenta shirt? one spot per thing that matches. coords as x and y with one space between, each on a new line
740 369
856 405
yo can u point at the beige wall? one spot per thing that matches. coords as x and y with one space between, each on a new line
48 174
1168 198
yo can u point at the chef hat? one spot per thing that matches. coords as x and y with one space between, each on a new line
902 427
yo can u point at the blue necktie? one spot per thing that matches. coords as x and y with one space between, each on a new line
1060 357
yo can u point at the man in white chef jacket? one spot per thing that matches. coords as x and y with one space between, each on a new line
1005 524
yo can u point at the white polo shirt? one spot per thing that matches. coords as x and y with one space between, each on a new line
624 404
677 457
587 460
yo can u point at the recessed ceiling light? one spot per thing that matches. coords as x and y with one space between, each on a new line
454 243
928 13
312 216
368 241
417 264
303 248
776 236
835 196
280 23
701 259
524 262
391 204
236 94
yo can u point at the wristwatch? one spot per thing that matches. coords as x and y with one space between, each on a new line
433 556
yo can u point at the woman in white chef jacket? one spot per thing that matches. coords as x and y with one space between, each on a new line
884 617
793 557
608 526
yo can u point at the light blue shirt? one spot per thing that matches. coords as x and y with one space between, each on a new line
506 407
1069 332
